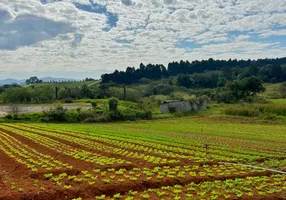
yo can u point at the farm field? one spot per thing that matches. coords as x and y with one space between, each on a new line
163 159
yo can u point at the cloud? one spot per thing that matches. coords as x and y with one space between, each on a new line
269 33
77 39
5 14
127 2
28 29
86 35
169 2
242 37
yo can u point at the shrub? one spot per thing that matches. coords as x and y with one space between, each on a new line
89 120
35 117
282 90
130 117
275 109
55 114
9 116
72 116
93 104
252 110
133 115
68 100
144 115
98 110
204 98
87 114
256 99
115 115
242 110
270 117
113 104
145 81
225 97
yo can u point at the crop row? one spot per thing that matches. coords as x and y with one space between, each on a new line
195 140
190 152
67 149
27 156
104 148
154 175
249 187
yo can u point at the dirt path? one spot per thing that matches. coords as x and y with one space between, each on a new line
4 109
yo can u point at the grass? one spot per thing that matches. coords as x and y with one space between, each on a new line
200 129
256 110
62 84
278 101
272 91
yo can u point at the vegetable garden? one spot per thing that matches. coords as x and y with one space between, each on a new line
164 159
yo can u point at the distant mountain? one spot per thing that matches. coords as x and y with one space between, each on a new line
10 81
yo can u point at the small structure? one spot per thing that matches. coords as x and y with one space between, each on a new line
171 106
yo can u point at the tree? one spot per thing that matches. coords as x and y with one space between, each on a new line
89 79
184 80
230 69
17 95
33 80
14 109
246 87
113 104
277 74
86 92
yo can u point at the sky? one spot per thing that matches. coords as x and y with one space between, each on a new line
85 38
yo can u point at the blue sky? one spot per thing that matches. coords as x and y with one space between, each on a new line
80 38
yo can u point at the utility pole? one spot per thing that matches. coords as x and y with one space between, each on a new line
57 91
125 93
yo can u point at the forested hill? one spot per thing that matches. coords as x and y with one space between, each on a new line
268 70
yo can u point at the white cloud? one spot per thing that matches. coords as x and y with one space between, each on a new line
242 37
57 36
268 33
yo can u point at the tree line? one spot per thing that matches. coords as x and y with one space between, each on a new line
268 70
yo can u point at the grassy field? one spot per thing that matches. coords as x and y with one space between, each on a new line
162 159
63 84
278 101
272 90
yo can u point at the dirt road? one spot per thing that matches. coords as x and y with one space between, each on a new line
4 109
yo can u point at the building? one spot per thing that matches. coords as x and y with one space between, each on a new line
169 106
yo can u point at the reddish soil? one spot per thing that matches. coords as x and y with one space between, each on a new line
77 164
136 162
12 171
